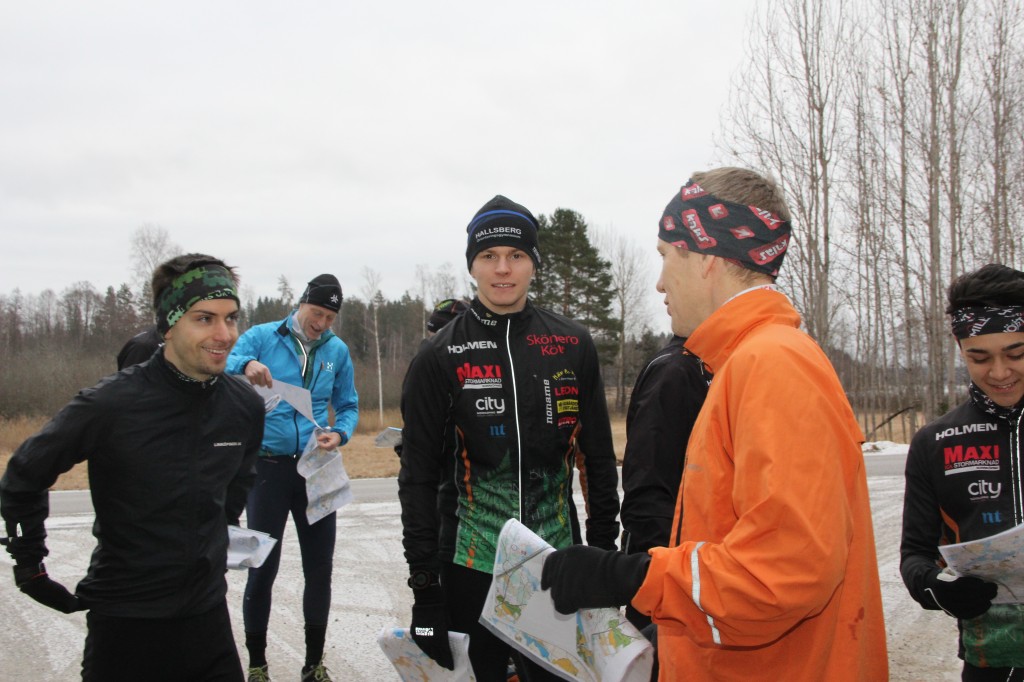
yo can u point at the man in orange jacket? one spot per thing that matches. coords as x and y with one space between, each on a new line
771 570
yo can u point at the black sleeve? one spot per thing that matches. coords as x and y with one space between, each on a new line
138 349
238 489
425 406
662 410
599 476
922 522
35 466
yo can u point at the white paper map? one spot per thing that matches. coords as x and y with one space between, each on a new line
328 487
248 548
415 666
596 645
998 558
296 396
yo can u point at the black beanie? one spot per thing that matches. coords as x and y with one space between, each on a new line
502 222
444 312
324 291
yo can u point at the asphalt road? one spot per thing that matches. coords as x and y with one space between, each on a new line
370 593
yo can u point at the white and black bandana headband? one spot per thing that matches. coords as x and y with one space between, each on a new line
980 320
747 235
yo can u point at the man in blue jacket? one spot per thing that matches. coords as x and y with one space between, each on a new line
303 351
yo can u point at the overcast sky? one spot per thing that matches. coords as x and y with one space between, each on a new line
299 138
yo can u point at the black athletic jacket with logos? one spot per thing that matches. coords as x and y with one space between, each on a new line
524 394
963 482
170 464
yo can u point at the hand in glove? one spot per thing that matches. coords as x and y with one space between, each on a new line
588 577
33 581
961 597
429 627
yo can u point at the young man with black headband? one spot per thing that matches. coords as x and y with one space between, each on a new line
964 474
171 445
771 571
520 388
303 351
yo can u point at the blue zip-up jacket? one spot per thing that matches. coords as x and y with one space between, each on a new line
327 373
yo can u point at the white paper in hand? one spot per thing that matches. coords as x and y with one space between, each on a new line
597 645
415 666
248 548
328 487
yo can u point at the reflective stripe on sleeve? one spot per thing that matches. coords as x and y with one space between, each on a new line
716 636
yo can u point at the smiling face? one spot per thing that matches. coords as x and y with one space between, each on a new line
198 344
995 363
502 275
314 320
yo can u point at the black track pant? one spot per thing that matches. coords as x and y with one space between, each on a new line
199 648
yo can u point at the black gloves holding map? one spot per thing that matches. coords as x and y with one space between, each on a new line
587 577
429 627
961 597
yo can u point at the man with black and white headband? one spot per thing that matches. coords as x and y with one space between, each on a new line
964 474
171 445
771 571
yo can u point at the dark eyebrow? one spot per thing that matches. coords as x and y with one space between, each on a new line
1005 349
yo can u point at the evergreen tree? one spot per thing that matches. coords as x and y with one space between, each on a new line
573 279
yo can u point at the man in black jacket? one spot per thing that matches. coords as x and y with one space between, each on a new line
171 445
964 474
520 388
663 406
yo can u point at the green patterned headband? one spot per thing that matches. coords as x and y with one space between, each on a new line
199 284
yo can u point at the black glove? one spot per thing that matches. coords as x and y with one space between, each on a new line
587 577
33 581
961 597
429 627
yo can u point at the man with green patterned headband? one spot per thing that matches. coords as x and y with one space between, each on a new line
171 445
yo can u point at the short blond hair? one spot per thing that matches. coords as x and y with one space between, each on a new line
744 186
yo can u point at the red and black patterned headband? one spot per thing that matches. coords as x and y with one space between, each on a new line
749 236
980 320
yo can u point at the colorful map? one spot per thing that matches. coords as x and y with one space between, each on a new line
415 666
998 558
592 645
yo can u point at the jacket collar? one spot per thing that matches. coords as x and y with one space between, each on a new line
715 339
491 320
177 379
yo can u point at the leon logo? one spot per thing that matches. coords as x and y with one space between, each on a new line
741 232
700 235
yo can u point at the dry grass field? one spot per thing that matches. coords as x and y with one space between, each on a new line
362 458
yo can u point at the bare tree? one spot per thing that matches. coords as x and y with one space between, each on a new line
632 287
371 291
150 245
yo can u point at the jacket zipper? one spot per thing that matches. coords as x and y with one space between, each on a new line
515 407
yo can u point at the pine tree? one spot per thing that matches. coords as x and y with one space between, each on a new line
573 279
